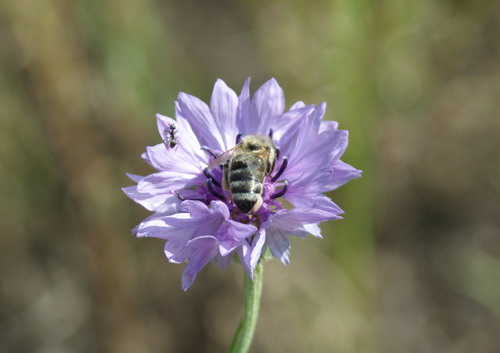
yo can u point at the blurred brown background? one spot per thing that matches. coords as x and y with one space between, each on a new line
413 267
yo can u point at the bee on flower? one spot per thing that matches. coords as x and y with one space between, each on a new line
226 168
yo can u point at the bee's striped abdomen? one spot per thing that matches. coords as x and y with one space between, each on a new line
245 178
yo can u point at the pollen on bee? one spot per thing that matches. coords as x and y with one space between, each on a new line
258 204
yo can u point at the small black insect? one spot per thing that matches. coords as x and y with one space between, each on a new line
170 140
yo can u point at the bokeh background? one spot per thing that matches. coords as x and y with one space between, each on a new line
413 267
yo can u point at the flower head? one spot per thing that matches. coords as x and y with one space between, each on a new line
238 176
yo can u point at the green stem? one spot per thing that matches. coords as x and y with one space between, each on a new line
252 291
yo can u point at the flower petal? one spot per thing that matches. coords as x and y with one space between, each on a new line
165 203
268 102
250 253
153 226
162 158
199 116
257 248
245 124
328 125
279 245
134 177
223 261
220 207
297 105
288 125
240 231
341 174
223 106
312 161
320 206
163 182
197 209
201 251
320 211
231 235
244 254
313 229
183 227
339 142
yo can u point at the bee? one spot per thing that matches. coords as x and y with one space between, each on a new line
170 140
245 167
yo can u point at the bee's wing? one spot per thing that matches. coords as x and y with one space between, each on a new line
223 158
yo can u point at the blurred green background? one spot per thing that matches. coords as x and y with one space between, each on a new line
413 267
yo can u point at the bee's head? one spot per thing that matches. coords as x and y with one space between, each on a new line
256 143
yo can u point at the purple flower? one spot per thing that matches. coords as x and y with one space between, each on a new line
196 214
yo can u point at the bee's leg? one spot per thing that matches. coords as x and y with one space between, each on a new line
284 164
257 205
281 192
212 191
238 138
271 162
209 176
271 134
209 151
